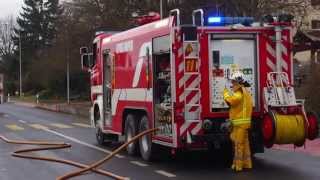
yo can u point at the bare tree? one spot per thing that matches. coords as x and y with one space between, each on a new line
6 33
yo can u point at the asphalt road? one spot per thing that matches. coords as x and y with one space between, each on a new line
18 122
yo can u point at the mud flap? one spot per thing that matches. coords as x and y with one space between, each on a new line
256 137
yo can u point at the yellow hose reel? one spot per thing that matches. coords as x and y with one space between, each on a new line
286 121
290 129
281 127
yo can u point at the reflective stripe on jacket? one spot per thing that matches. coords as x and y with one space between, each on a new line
240 103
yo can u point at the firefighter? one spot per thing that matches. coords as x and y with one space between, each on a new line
240 102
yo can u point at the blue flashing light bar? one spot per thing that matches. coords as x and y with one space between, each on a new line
214 20
230 20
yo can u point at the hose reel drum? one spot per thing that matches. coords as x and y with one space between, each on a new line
281 128
286 121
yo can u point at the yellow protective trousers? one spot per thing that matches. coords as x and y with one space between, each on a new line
242 155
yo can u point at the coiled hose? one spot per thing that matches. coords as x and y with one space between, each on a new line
290 129
61 145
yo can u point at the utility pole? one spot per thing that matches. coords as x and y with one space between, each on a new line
68 80
67 41
68 70
161 9
20 64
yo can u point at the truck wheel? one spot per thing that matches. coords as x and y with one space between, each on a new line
131 131
100 136
147 148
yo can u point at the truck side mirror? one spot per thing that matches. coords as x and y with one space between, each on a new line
86 61
83 50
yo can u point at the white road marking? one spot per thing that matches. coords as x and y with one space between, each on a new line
139 163
164 173
60 125
22 121
38 126
82 125
81 142
6 115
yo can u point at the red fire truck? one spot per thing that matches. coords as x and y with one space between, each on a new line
171 76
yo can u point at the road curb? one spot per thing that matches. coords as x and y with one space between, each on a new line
79 110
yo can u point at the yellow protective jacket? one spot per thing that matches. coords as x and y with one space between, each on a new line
240 103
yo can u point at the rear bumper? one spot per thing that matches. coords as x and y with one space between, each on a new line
217 138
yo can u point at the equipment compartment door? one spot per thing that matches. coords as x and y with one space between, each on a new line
162 86
229 53
107 93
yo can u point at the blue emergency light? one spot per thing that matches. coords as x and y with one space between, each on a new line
222 21
214 19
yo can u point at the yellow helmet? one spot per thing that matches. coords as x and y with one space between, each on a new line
237 76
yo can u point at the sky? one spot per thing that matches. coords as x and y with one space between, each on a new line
10 8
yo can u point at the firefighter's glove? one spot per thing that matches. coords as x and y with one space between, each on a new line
226 92
226 126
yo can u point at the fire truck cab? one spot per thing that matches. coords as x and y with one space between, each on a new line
171 76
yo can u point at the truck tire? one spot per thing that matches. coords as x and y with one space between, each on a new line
100 136
147 148
131 130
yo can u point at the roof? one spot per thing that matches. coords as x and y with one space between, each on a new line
313 35
156 26
307 40
308 36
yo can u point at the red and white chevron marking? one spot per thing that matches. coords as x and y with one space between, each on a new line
192 127
271 54
186 96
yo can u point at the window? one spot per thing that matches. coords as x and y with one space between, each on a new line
315 2
107 66
95 51
315 24
107 81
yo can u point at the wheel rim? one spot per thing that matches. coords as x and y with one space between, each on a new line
98 131
145 143
144 139
129 137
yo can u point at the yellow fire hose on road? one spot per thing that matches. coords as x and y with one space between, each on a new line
61 145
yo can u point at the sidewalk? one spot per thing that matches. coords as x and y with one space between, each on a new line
77 108
311 147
